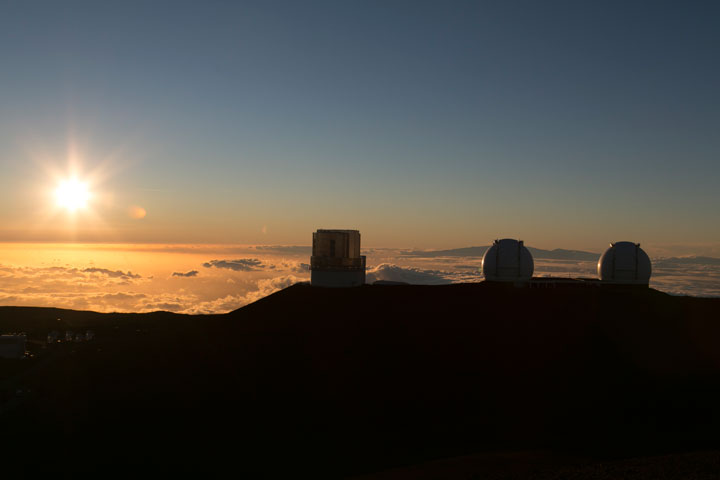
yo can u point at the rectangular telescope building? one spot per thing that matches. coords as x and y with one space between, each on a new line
336 259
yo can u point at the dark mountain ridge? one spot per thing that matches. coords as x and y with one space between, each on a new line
692 260
334 382
560 254
555 254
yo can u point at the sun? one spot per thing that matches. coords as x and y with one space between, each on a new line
72 194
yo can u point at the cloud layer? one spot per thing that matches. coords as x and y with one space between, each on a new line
184 280
393 273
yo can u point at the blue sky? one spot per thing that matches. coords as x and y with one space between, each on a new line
424 124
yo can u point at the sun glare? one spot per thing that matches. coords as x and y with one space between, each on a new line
72 195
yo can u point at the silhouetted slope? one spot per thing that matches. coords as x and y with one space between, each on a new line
343 381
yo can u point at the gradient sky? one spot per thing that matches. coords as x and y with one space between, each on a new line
423 124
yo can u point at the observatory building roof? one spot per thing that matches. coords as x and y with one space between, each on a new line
336 259
508 260
335 230
625 263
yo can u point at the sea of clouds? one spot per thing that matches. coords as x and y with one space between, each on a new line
219 279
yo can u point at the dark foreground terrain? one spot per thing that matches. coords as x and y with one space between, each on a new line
457 381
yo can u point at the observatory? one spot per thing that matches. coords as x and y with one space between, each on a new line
624 263
336 259
508 260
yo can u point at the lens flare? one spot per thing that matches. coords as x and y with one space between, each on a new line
137 212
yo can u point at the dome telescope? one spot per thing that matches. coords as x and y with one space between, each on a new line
625 263
508 260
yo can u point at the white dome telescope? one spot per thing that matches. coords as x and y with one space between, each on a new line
625 263
508 260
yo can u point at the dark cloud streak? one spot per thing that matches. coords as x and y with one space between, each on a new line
110 273
238 265
191 273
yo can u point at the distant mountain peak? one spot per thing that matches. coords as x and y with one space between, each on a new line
538 253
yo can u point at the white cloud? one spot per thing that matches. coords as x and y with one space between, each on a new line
265 287
415 276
